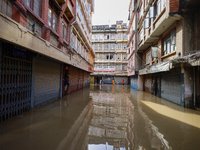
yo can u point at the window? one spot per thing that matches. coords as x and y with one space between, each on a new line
35 5
124 46
118 67
95 46
64 30
118 46
124 56
107 56
52 19
93 36
96 36
111 57
118 56
169 43
101 36
119 36
106 46
124 67
141 35
140 12
112 36
112 46
132 44
106 36
148 57
125 36
131 62
159 6
129 50
100 46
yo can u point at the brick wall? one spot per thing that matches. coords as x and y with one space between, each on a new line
174 5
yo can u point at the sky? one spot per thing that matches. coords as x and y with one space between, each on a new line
107 12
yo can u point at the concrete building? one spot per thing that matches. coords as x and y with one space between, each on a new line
110 47
165 36
37 56
131 57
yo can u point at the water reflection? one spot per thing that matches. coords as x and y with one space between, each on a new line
109 123
104 117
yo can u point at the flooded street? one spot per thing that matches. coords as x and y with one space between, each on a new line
104 117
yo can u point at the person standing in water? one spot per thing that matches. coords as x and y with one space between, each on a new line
123 82
113 81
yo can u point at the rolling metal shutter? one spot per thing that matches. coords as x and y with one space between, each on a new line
47 81
134 82
147 84
118 80
171 88
107 79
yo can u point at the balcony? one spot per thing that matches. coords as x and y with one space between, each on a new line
69 9
160 24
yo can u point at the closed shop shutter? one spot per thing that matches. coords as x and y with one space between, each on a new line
147 84
108 79
171 88
118 80
80 82
87 79
47 81
134 82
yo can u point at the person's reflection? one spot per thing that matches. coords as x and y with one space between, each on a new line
113 88
122 89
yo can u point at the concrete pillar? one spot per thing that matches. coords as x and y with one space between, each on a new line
61 79
140 83
188 87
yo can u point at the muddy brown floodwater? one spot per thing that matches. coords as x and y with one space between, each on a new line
104 117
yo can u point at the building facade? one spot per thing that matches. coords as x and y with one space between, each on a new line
110 47
37 57
131 55
168 68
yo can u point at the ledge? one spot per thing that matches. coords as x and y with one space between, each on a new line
168 55
15 33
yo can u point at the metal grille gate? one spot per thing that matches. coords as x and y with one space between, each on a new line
15 87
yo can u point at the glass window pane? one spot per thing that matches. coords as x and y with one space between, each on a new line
54 22
37 7
49 17
27 3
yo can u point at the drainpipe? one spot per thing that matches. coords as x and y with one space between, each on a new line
194 100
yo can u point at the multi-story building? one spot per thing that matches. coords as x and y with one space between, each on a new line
161 34
110 47
36 57
131 55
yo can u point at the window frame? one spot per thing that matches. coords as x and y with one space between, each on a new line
32 6
171 40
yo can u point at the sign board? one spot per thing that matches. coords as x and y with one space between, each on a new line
160 67
19 51
104 69
154 52
144 71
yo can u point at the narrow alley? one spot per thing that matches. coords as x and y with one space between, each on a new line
104 117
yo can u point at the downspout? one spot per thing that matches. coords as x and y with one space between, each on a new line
194 77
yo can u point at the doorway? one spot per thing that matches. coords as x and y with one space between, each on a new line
65 80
